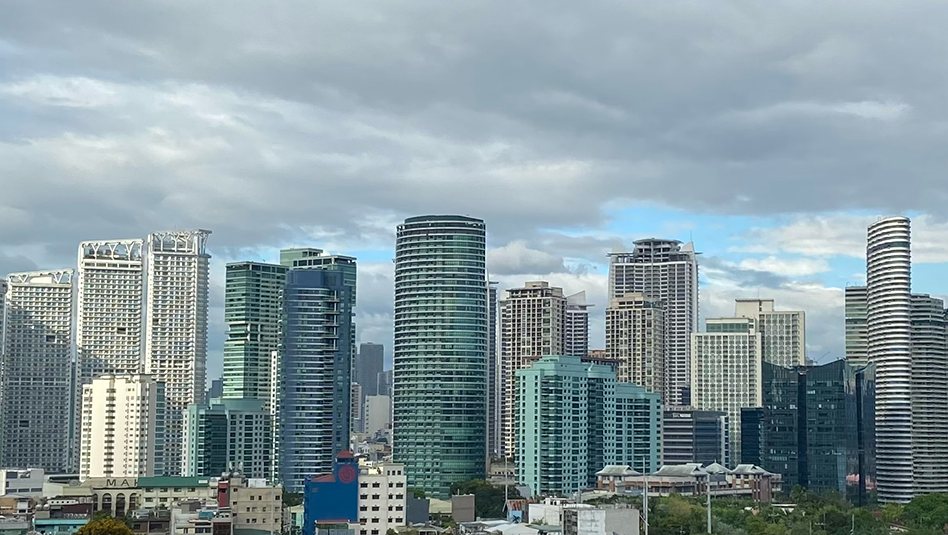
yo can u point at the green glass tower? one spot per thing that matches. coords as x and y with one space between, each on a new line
441 335
252 310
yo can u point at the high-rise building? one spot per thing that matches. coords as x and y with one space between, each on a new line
532 324
177 271
229 434
857 336
808 427
370 362
576 342
252 312
216 389
726 371
889 331
441 331
356 405
37 385
668 271
378 414
574 418
929 394
693 436
782 332
315 370
494 387
635 340
122 427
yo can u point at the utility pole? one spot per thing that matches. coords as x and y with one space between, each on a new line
709 503
645 494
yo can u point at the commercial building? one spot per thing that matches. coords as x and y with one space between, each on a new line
694 436
494 385
383 498
333 498
889 335
576 342
176 265
441 331
857 336
532 324
726 371
573 418
693 479
369 364
668 271
635 340
37 384
782 332
929 394
229 434
123 422
252 312
808 428
315 370
24 482
356 406
378 414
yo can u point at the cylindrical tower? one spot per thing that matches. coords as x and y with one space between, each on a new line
889 327
441 332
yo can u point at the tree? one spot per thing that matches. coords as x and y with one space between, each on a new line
418 493
488 498
292 499
928 512
105 526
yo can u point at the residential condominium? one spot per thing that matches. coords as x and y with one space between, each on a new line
441 331
929 394
726 371
635 340
494 386
313 411
668 271
782 332
226 435
576 342
532 324
36 372
574 418
122 427
176 266
857 337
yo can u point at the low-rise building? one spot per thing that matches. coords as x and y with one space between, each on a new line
600 520
194 518
383 499
28 482
256 507
62 516
692 479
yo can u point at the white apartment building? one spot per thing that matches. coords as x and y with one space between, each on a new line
726 371
383 498
378 414
532 324
782 332
122 422
176 267
36 372
635 340
576 342
668 271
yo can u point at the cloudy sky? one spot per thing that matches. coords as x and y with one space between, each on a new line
770 133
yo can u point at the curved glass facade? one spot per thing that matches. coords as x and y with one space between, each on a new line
441 335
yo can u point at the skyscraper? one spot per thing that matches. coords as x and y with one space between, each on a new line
532 324
929 394
252 312
668 271
176 266
315 370
370 362
635 340
693 436
857 336
726 371
782 332
494 388
36 372
576 342
889 329
441 330
122 427
229 434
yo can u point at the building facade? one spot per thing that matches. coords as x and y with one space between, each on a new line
123 420
369 364
573 419
441 331
635 340
315 370
37 385
889 338
929 394
226 435
726 371
532 324
668 271
576 342
177 273
857 337
494 387
378 414
782 332
383 498
694 436
252 311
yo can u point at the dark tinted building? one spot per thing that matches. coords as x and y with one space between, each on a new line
693 436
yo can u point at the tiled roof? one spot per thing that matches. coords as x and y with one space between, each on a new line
617 470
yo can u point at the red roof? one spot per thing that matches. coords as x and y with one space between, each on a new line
328 478
345 454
